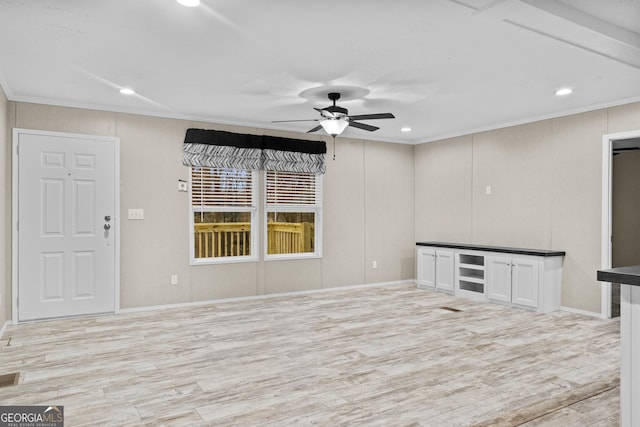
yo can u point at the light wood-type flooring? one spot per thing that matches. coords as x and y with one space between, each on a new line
376 356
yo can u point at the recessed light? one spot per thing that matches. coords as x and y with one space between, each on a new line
127 91
564 91
405 129
189 3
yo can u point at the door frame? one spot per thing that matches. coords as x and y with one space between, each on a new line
15 186
607 218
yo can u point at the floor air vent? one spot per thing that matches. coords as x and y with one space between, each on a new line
9 379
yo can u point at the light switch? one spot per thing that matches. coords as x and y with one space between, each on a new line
182 185
488 190
136 214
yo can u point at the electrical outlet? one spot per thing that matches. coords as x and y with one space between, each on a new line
135 214
174 279
374 264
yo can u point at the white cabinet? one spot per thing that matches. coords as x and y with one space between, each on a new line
529 278
525 281
514 280
499 278
444 270
435 269
426 260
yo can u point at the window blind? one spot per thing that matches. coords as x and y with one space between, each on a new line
220 187
292 188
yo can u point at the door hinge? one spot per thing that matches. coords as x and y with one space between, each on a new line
18 150
17 225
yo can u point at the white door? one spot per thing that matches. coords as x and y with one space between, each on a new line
525 282
444 270
66 224
499 278
426 268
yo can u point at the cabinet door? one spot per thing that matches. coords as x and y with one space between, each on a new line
525 282
426 268
499 278
444 270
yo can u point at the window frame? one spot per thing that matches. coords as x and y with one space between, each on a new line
302 208
254 234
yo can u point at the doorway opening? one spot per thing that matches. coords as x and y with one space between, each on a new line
620 207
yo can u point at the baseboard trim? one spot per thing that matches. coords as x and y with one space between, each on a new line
583 312
7 323
260 297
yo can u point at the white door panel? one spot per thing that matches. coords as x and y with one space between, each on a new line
444 270
499 278
426 268
525 282
66 257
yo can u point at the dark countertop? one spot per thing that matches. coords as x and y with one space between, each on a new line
501 249
624 275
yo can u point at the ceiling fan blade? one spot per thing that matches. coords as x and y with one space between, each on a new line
363 126
288 121
373 116
314 129
325 113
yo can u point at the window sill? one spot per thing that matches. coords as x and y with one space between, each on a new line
222 260
287 257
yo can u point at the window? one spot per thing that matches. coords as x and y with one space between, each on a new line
223 214
294 214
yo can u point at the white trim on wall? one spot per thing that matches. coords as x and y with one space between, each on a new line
606 228
7 323
14 226
261 297
605 288
582 312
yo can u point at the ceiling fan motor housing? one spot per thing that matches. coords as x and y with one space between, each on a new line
337 111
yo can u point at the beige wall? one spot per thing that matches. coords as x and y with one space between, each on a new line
368 212
379 199
5 210
545 180
443 185
387 180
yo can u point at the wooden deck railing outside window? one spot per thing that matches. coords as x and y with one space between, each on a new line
234 238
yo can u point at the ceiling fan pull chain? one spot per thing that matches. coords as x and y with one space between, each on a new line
334 147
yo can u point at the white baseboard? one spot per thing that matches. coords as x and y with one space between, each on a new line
583 312
258 297
7 323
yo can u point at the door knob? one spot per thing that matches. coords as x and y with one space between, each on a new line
107 226
107 218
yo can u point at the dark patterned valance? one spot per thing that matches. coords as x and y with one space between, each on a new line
242 151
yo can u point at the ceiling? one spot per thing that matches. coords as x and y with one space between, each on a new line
443 67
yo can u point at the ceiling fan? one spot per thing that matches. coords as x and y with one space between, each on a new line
334 120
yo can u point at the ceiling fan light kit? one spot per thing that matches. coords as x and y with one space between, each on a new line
334 127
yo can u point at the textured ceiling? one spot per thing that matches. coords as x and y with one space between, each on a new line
443 67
